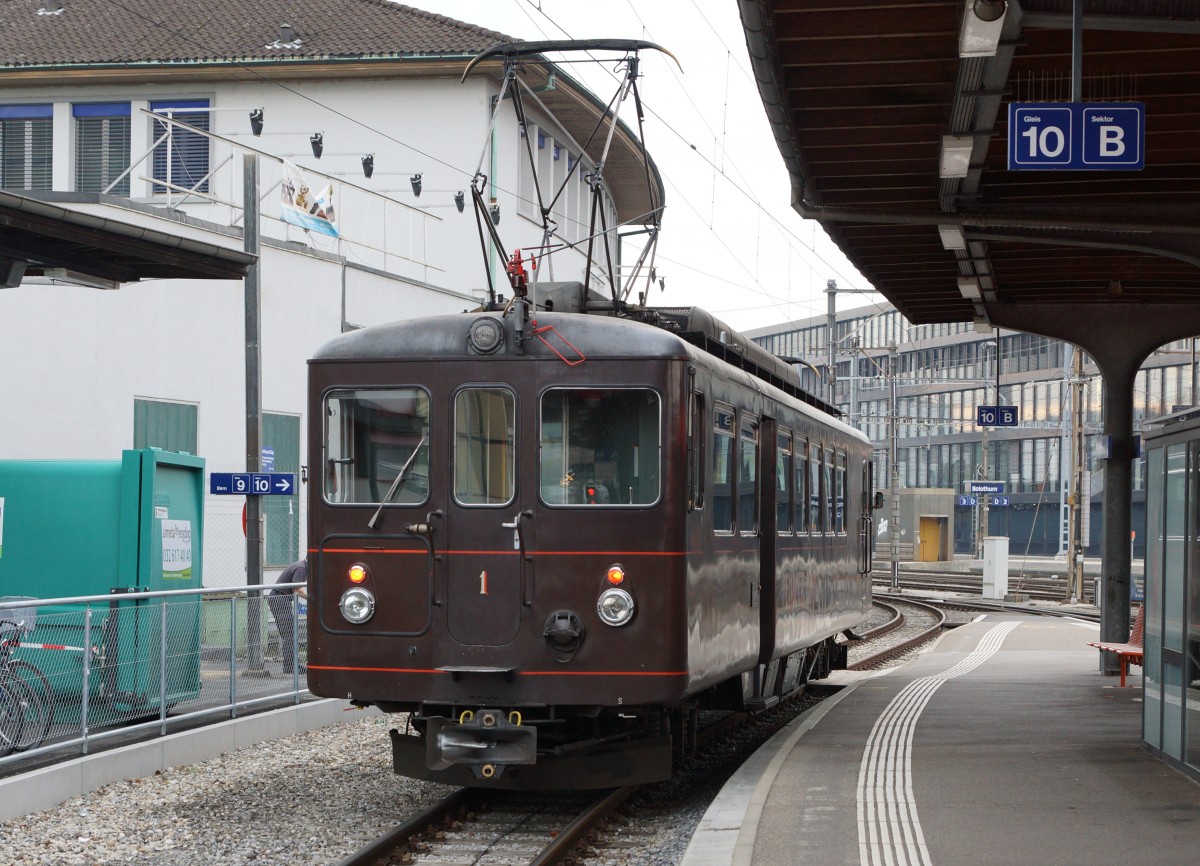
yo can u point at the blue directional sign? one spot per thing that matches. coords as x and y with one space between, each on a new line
967 501
1076 136
252 483
997 416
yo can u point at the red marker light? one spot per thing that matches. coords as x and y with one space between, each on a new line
358 573
616 575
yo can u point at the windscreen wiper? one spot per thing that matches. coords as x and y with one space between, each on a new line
395 484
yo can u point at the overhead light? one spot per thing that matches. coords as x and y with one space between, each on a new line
368 164
460 201
983 20
495 212
952 237
317 140
968 287
256 121
955 160
415 180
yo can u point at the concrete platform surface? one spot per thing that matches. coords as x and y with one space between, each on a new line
1003 744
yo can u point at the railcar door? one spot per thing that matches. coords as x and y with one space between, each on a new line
488 530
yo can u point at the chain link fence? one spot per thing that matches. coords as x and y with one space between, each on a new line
77 671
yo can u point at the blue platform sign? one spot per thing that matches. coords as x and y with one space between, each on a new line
993 487
997 416
1076 136
967 501
252 483
1000 502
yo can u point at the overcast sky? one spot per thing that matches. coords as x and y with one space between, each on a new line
730 241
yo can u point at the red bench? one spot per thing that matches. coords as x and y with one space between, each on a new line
1127 653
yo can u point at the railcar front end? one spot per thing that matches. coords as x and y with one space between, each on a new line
496 545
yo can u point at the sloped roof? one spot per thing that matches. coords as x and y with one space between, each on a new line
207 31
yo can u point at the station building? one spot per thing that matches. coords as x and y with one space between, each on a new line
358 100
944 373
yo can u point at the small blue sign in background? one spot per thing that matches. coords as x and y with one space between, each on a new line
1076 136
997 416
252 483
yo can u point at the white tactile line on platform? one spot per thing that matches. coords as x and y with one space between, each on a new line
889 829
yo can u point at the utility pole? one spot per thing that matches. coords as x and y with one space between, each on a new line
254 523
893 466
830 359
1076 502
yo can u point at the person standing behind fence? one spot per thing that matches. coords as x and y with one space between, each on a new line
283 610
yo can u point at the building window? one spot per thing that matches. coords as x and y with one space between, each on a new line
181 159
25 146
101 147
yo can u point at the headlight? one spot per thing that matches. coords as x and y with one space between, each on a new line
357 604
615 606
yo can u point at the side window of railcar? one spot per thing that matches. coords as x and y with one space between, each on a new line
722 477
827 489
697 435
600 446
485 452
839 486
815 524
801 483
377 446
783 485
747 475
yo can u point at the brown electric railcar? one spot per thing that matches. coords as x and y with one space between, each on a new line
553 541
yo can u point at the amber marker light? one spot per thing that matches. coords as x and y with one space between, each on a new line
616 575
358 573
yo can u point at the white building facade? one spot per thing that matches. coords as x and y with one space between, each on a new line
163 363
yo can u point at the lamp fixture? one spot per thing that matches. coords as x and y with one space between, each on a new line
415 180
983 20
495 212
952 237
317 140
968 287
256 121
368 164
955 160
460 201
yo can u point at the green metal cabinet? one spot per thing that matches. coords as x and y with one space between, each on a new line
119 528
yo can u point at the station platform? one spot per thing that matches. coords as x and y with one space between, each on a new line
1003 744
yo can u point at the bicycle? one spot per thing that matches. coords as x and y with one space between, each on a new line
26 704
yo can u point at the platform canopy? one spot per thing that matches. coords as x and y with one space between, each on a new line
898 144
41 238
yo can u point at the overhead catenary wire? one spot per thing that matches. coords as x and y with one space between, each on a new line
802 249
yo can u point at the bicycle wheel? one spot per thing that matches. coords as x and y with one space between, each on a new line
40 711
12 717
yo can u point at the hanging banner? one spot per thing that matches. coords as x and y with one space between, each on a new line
301 207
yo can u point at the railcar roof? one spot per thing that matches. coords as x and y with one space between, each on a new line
445 337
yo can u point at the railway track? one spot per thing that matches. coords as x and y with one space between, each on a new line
494 827
1040 587
912 623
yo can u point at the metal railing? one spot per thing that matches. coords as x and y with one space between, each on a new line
129 662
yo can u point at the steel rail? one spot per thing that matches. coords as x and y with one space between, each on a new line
373 852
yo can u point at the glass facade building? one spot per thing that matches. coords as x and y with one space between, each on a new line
944 373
